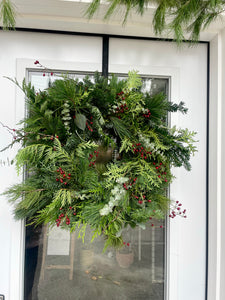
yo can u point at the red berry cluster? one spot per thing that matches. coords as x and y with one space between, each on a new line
147 115
122 107
45 74
139 149
62 176
126 244
120 94
177 211
92 158
63 217
130 183
53 137
161 226
141 199
40 65
160 171
91 123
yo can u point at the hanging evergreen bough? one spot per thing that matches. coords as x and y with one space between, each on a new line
179 17
98 154
7 14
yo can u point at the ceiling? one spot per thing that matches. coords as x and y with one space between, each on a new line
69 15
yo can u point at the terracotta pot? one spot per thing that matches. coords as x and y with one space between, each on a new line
105 156
125 259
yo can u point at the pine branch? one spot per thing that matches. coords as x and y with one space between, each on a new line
7 14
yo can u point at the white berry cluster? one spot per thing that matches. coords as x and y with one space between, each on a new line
66 116
148 145
118 193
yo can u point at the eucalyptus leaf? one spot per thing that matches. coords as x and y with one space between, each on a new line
142 226
80 121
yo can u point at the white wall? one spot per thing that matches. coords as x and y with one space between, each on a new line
17 51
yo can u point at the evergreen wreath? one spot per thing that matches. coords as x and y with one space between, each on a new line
99 154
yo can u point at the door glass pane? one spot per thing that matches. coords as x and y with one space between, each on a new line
58 265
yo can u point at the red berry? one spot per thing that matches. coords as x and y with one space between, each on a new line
43 74
128 244
140 201
124 243
149 201
51 73
152 225
161 226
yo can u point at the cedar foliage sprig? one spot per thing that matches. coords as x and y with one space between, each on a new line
111 168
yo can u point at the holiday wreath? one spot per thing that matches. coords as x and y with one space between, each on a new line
99 154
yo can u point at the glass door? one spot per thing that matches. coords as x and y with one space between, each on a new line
59 265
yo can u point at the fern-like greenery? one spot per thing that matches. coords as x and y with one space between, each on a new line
98 154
